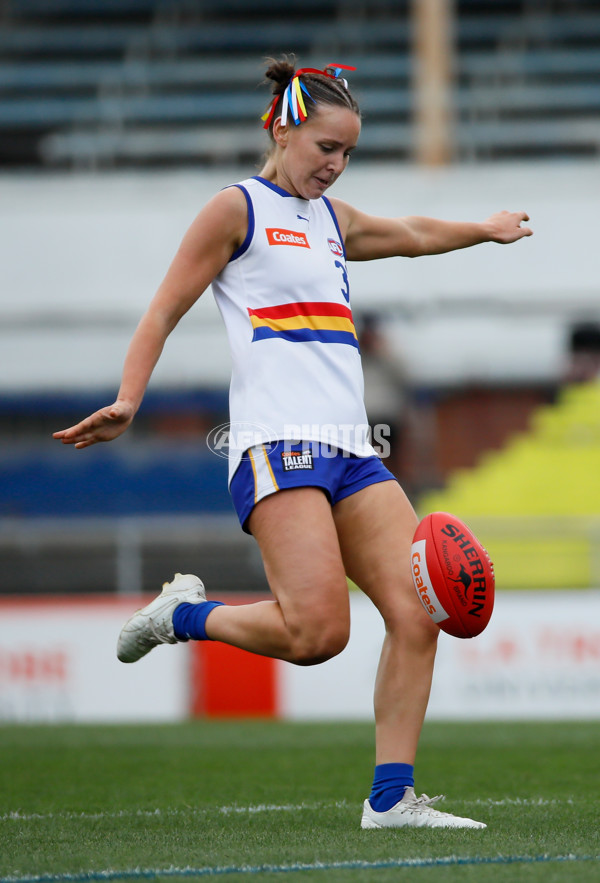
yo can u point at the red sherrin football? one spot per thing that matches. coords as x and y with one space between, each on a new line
453 575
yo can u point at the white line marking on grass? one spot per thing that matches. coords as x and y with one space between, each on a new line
272 807
18 816
146 873
234 809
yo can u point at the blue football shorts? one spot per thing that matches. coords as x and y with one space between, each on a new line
268 468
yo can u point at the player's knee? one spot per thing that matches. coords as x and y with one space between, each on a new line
408 620
424 635
416 631
320 644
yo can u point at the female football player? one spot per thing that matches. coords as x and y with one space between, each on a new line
304 479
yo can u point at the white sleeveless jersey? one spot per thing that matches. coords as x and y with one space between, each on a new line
284 298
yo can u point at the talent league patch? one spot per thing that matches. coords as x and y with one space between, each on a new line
291 460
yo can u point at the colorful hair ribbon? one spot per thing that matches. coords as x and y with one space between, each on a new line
337 69
293 100
268 116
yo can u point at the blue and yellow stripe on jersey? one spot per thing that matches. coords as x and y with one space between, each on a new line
305 321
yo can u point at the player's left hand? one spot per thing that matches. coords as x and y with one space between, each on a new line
505 227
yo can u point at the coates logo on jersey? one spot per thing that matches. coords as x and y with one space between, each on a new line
286 237
335 247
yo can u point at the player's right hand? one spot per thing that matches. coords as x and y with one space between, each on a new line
101 426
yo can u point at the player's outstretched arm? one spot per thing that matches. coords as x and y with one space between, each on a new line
206 248
428 236
368 237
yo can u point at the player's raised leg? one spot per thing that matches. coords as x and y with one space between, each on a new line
308 620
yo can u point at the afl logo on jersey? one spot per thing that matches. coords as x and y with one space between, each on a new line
286 237
335 247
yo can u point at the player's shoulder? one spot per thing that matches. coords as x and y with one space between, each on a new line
241 195
223 218
232 194
229 205
245 186
344 213
340 206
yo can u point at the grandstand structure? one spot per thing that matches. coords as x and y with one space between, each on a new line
111 83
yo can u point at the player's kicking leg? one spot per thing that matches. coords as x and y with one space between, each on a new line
375 527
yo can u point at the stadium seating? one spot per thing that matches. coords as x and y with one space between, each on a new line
536 503
164 81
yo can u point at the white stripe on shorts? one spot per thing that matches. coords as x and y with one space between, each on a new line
264 479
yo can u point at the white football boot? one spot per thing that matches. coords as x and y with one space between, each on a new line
153 624
414 812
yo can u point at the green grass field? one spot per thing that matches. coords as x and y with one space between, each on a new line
258 800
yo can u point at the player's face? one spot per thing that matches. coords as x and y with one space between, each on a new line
315 153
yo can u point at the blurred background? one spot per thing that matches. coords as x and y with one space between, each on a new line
120 118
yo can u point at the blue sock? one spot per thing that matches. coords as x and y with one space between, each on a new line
189 620
389 784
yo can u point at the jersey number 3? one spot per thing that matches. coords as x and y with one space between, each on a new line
346 289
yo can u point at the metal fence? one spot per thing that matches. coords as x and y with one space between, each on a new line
125 555
137 554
